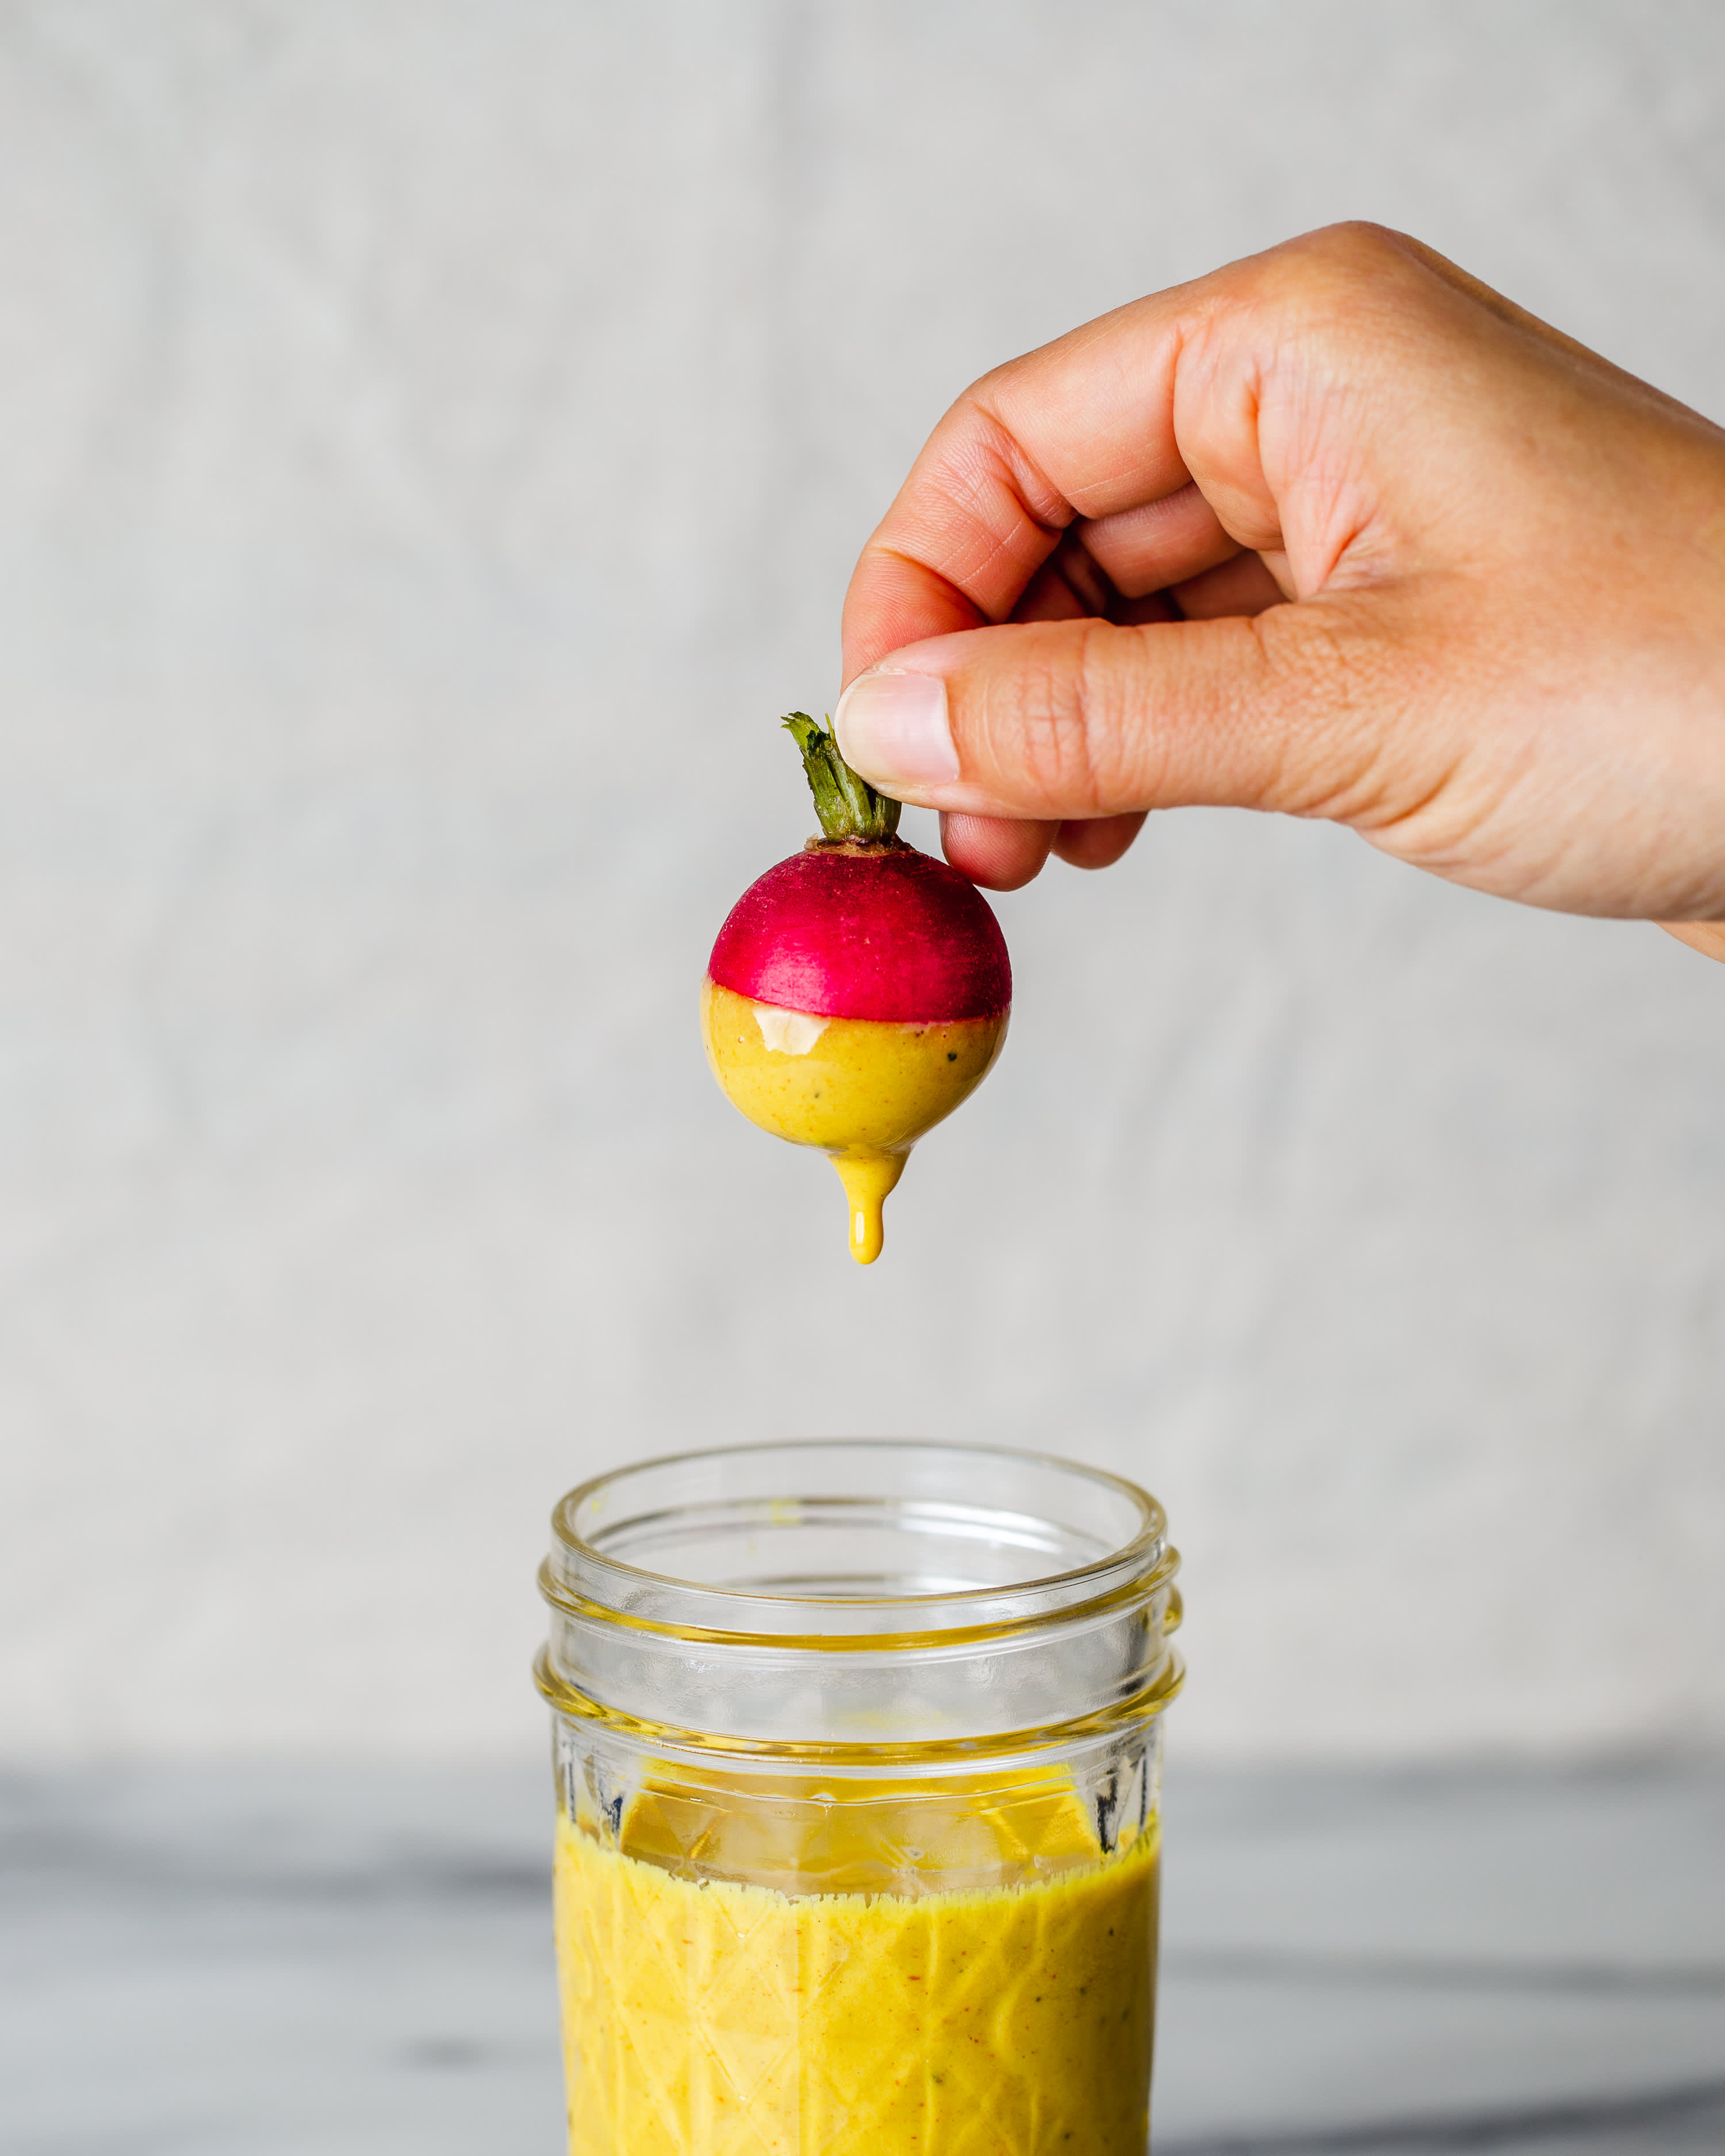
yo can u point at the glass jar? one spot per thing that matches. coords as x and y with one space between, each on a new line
857 1749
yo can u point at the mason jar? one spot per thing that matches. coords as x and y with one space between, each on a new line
857 1749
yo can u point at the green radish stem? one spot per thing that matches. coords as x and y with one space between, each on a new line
848 808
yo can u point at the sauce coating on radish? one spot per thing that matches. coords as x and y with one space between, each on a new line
857 992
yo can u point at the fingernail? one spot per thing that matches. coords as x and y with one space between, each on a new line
894 729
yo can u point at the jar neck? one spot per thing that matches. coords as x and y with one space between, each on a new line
869 1597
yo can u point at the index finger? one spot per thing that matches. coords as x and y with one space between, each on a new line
1081 431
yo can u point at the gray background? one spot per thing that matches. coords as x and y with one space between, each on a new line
433 440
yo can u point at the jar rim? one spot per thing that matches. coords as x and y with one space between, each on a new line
644 1594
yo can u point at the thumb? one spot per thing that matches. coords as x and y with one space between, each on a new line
1066 719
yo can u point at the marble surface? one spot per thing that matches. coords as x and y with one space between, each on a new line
358 1962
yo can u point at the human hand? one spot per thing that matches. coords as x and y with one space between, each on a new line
1336 532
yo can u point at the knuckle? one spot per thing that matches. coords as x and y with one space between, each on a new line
1121 746
1321 278
1044 720
1357 244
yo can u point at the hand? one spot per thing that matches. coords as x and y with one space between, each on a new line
1336 532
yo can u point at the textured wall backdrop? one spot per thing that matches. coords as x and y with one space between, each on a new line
433 439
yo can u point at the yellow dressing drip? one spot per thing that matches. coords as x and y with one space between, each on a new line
868 1178
862 1090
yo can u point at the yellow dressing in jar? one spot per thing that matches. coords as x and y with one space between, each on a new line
862 1090
703 2017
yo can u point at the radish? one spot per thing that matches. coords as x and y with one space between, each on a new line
857 992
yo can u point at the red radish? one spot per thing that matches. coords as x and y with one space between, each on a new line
879 932
858 991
